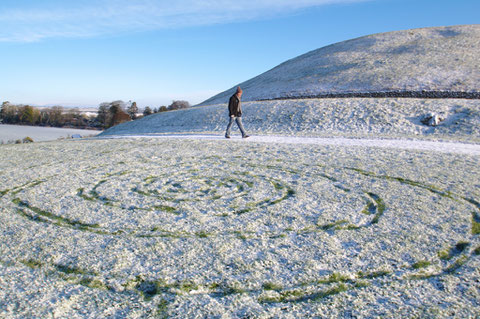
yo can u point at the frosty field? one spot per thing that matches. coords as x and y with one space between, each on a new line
145 228
39 134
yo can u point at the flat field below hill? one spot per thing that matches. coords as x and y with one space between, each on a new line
143 228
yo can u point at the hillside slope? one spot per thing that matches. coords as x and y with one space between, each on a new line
355 117
429 59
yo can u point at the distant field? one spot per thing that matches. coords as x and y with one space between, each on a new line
38 134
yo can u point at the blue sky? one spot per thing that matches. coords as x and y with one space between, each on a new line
84 52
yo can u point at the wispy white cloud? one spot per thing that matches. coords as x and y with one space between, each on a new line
90 18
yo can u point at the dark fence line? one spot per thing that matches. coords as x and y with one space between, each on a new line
400 94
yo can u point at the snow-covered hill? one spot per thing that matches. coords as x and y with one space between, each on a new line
443 59
429 59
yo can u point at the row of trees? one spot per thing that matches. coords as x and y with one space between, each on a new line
176 105
53 116
109 114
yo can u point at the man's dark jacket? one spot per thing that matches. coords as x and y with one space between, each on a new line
234 106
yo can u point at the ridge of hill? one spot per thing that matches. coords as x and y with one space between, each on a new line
439 62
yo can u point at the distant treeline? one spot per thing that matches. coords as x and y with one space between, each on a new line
108 114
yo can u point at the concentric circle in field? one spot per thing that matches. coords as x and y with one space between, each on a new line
278 230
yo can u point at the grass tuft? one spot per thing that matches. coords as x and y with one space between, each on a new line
32 263
421 264
475 223
334 278
373 275
272 286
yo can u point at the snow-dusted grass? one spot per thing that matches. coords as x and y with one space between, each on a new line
11 133
354 117
209 228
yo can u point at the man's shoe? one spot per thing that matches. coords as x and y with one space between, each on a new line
227 136
245 136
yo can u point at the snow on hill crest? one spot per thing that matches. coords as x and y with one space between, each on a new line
427 59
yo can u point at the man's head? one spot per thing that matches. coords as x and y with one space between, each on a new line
239 91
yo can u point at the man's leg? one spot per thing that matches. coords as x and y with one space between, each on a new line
240 126
229 126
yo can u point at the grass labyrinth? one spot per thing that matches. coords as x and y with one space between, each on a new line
169 220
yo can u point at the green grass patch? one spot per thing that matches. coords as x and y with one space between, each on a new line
421 264
444 254
202 234
272 286
93 283
449 253
240 235
298 295
57 220
336 225
32 263
167 209
278 186
475 223
73 270
214 286
361 284
326 293
162 309
249 183
334 278
188 286
456 265
284 296
380 207
373 275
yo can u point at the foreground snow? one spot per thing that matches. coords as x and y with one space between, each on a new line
189 228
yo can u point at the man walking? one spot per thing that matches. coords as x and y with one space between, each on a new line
235 113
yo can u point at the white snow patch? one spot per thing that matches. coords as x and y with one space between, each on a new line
432 146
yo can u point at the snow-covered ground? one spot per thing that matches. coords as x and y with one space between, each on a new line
188 228
11 133
429 59
442 147
334 208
